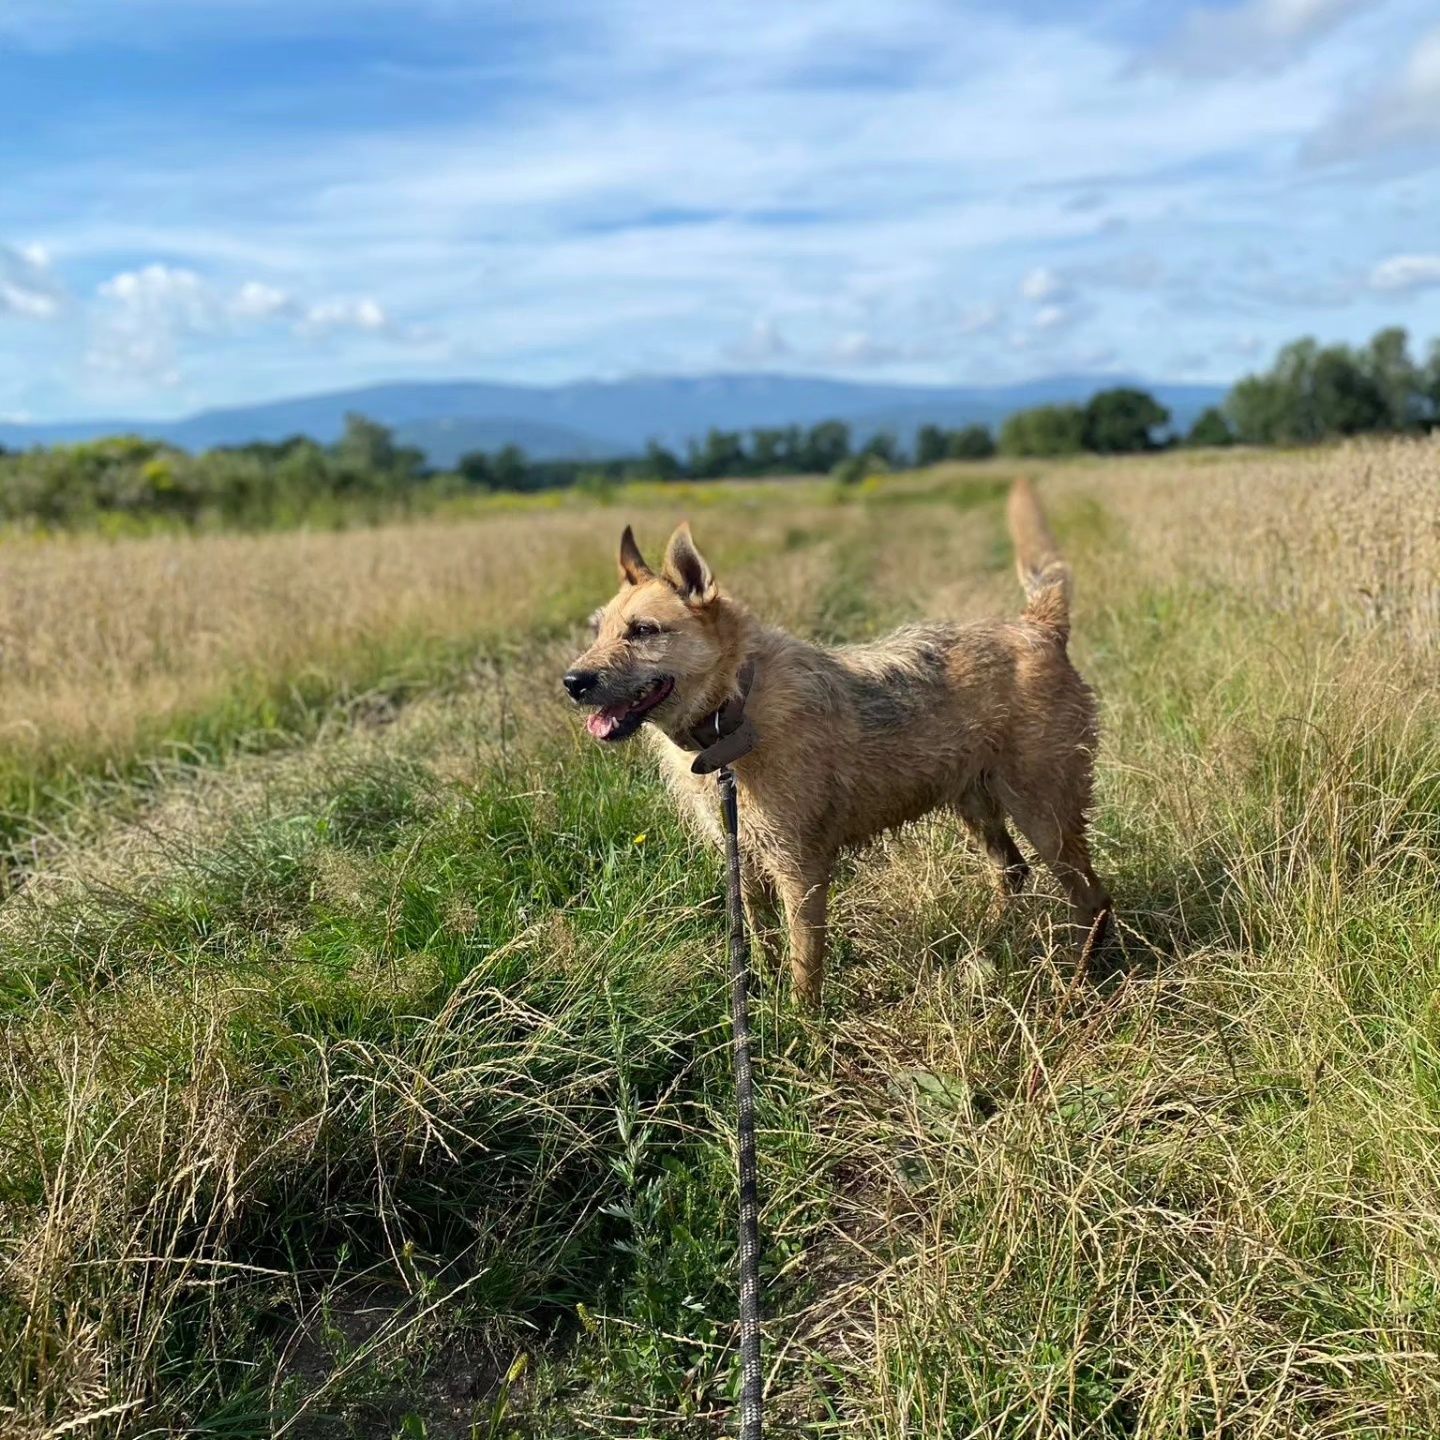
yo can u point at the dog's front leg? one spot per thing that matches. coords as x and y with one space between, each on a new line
762 909
805 893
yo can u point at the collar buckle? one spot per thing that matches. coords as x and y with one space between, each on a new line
728 733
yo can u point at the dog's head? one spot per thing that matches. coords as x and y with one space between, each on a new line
657 645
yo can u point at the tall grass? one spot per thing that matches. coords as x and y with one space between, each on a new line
379 1087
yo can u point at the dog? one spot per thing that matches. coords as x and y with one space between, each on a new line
989 720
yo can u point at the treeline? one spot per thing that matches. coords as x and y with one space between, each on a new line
128 478
821 449
366 474
1312 393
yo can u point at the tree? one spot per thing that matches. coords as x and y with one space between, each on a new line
1313 393
511 469
1346 400
1258 411
884 447
973 442
855 468
659 463
366 445
773 451
475 467
721 454
1397 379
824 447
1430 385
304 475
1122 421
1278 407
1210 428
932 445
1044 431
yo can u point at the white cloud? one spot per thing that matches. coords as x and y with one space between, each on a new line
763 344
1043 283
18 299
1135 270
1052 317
363 314
859 348
975 319
135 360
1400 110
149 320
255 300
142 319
161 294
28 286
1406 272
1255 35
180 300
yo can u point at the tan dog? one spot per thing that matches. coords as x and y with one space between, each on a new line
989 719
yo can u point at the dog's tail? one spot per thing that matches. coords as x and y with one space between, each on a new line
1045 576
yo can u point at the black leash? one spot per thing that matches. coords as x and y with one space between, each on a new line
752 1381
723 737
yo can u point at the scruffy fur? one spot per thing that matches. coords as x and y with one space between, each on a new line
990 720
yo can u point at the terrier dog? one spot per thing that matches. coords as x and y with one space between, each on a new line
990 720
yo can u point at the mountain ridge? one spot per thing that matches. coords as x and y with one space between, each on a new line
594 419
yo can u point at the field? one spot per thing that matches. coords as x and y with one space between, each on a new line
365 1064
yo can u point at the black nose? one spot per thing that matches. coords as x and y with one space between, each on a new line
580 683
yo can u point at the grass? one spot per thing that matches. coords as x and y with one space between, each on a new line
375 1083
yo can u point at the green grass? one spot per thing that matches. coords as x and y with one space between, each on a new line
388 1102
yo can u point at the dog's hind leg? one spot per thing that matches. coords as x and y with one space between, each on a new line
982 816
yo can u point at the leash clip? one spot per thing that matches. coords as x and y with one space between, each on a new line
726 750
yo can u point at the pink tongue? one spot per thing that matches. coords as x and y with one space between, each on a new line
607 721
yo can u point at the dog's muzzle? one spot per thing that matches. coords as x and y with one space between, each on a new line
616 719
579 683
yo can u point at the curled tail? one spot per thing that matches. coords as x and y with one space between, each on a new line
1045 576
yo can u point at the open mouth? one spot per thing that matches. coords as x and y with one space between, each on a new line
620 721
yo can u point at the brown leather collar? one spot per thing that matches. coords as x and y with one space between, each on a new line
726 734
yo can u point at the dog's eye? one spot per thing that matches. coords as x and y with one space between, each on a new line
639 629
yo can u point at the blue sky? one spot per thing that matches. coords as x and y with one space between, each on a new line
218 201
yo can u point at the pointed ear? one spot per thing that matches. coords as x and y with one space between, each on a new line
686 570
633 568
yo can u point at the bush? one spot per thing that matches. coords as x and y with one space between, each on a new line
1210 428
1122 421
1047 430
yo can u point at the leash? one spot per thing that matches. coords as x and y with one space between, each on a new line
722 738
752 1381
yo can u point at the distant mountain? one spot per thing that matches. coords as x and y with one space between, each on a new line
596 419
445 441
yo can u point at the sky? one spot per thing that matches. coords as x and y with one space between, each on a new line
211 202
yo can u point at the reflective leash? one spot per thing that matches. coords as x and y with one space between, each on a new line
752 1382
723 737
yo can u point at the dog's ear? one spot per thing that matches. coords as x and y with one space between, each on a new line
633 568
686 570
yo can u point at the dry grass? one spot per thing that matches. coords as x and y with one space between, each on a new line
413 1022
105 642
